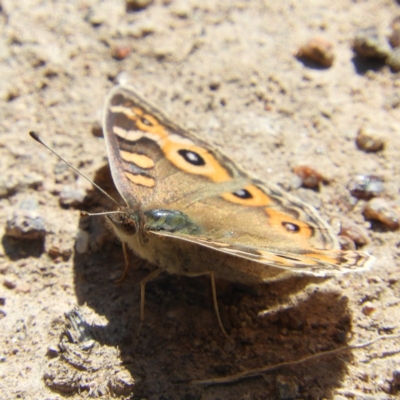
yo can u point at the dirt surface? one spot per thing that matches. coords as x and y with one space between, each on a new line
225 69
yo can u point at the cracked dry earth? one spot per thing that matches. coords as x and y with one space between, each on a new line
226 70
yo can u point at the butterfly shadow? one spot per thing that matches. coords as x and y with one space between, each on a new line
181 340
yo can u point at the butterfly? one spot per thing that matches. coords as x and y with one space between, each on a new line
189 209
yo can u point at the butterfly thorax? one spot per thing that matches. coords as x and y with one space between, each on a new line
131 222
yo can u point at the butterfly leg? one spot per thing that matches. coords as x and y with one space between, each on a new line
143 282
215 300
125 249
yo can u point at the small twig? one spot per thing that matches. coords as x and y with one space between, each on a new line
259 371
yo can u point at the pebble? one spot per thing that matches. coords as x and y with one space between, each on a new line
60 168
214 83
82 241
365 186
368 43
346 243
23 287
394 60
8 186
122 384
29 203
9 283
396 377
72 196
99 233
12 183
181 9
141 28
96 17
52 352
369 141
394 38
165 50
120 51
57 251
368 309
12 93
246 336
123 78
356 233
97 129
30 180
136 5
379 209
310 177
26 224
286 388
318 51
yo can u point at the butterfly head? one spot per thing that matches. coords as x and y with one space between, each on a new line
124 223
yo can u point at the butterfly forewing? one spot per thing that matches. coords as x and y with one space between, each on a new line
149 155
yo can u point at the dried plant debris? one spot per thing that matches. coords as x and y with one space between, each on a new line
264 370
82 365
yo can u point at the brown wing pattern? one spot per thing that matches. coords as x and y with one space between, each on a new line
157 164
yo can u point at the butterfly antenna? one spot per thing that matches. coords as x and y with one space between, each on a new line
86 214
36 137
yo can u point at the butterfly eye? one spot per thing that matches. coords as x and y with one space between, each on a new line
243 194
290 227
192 158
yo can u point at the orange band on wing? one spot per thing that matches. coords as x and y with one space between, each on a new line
141 160
141 180
276 259
326 258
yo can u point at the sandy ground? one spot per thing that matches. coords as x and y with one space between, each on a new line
226 70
